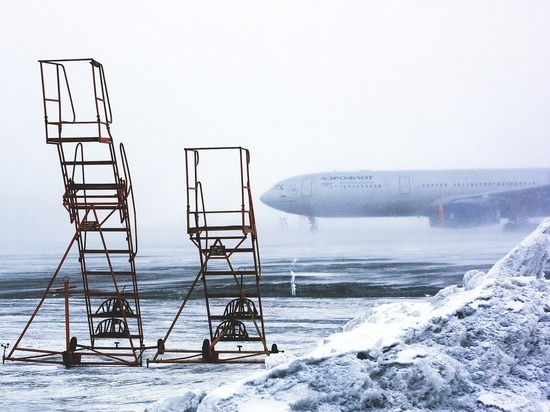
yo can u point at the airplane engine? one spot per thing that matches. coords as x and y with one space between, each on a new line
464 214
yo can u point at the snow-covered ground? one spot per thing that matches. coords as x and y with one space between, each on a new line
481 346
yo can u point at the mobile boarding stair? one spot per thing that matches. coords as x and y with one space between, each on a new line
99 199
220 223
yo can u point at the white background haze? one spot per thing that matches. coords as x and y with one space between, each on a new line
307 86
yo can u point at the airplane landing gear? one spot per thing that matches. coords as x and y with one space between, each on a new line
313 228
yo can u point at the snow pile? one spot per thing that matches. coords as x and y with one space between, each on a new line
483 346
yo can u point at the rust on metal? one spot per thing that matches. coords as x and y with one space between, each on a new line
221 224
98 196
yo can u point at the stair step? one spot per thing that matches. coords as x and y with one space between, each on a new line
94 186
110 251
229 273
249 339
236 237
108 273
230 296
221 317
113 315
115 335
246 229
96 205
103 229
89 163
78 139
92 195
227 251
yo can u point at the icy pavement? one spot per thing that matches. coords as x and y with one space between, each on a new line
483 346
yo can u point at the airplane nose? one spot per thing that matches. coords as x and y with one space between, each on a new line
275 198
266 198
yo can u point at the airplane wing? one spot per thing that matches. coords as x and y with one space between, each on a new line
525 202
487 208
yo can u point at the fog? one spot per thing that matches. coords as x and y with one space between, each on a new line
305 86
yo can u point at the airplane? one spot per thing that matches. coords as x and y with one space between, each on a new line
449 198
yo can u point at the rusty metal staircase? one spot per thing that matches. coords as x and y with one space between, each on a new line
99 199
220 223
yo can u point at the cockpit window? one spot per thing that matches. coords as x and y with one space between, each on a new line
279 187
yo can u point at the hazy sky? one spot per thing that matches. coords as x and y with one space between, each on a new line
305 85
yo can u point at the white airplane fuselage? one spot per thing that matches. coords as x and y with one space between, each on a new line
405 193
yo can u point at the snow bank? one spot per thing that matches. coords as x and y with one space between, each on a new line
483 346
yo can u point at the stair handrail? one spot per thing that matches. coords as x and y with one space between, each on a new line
251 215
104 97
58 83
199 195
129 192
105 92
195 186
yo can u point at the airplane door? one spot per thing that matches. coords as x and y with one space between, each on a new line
405 185
306 187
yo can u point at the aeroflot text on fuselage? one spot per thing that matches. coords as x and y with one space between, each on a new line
447 197
346 178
